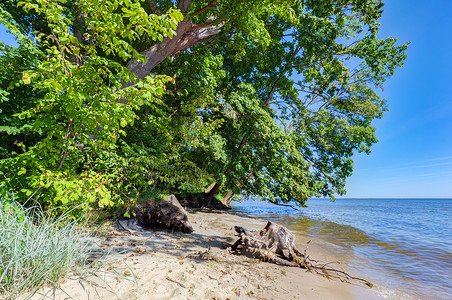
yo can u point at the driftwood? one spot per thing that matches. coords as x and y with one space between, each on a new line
276 244
167 213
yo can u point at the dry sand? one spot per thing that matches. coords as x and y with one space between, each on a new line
163 265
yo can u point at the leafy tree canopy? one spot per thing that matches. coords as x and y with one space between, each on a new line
106 100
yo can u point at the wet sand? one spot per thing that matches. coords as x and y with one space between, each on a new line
163 265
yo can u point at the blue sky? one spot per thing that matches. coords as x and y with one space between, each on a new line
413 158
414 155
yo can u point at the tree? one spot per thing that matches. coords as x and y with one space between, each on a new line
268 100
297 107
81 92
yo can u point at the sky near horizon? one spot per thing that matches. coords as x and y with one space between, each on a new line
413 158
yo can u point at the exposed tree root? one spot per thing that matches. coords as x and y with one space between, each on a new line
276 244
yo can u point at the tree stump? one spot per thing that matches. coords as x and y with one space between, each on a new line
276 244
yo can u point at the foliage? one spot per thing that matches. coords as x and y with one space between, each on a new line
297 107
267 100
79 109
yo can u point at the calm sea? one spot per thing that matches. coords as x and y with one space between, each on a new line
403 245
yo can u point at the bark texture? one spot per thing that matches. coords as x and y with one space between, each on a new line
167 213
228 198
187 35
276 244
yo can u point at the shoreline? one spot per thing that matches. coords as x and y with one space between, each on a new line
164 265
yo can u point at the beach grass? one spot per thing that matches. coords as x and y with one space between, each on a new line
35 248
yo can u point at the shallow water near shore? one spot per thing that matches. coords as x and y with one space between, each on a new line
404 245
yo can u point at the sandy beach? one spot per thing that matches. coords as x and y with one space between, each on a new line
160 264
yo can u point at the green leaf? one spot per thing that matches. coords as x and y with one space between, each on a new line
26 78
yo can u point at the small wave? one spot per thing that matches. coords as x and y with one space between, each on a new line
389 240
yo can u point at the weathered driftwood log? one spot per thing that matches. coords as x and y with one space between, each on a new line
167 213
276 244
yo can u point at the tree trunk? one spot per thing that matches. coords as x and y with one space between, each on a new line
211 193
227 198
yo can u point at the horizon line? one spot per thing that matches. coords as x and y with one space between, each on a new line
446 198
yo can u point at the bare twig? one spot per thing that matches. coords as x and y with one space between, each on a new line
69 127
125 229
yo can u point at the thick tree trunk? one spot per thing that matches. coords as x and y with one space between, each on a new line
187 35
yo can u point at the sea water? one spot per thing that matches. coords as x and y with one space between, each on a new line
402 244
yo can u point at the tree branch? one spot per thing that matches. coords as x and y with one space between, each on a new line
154 8
69 126
198 34
208 23
187 35
275 84
183 5
211 4
287 205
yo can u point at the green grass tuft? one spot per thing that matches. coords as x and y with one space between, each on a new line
36 249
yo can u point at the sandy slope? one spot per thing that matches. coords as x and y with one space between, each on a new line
163 265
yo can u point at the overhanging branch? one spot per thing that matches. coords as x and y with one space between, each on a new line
187 35
210 5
